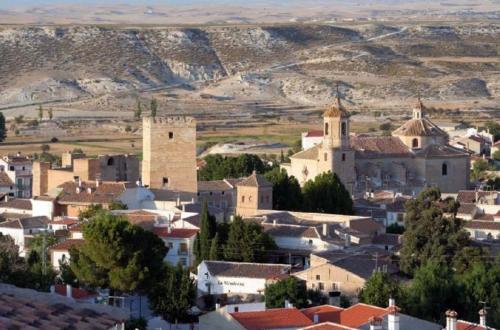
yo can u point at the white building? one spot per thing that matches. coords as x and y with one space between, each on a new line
221 277
180 243
21 230
16 206
19 170
59 252
311 138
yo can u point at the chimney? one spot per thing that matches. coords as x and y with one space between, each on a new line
392 302
178 201
325 229
451 320
393 318
274 222
217 306
183 207
6 198
69 291
375 323
316 318
288 304
482 317
347 240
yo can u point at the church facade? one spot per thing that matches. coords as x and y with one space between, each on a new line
416 155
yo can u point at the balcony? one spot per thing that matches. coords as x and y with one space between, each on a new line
182 252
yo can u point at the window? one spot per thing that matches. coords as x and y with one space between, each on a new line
236 309
325 156
111 161
321 286
183 248
343 157
414 143
12 168
63 258
326 128
310 242
170 135
343 128
243 199
165 181
444 170
318 277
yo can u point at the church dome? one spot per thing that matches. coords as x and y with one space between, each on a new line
419 125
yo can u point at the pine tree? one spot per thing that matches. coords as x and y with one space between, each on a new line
154 107
3 131
215 249
40 112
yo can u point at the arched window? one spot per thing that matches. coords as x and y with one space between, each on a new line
326 128
111 161
415 143
444 169
343 128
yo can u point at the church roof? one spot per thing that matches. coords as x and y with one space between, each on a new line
336 110
419 127
311 153
374 146
255 180
436 150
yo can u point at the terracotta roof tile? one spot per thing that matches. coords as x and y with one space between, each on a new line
66 244
466 208
255 180
464 325
360 314
486 225
435 150
272 319
326 313
291 231
27 223
175 233
90 193
314 133
5 180
17 203
375 146
328 326
76 293
470 196
215 185
419 127
311 153
246 269
65 221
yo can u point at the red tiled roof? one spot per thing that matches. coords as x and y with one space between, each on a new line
463 325
90 193
76 228
255 180
359 314
76 293
314 133
5 180
326 313
66 244
17 203
328 326
175 233
486 225
65 221
272 319
469 196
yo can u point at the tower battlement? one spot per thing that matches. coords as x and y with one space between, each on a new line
177 121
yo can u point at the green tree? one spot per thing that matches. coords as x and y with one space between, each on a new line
3 130
496 155
479 168
291 289
432 291
247 242
40 243
215 249
138 111
385 127
219 167
327 194
118 255
494 128
378 289
45 148
153 107
40 112
90 212
10 261
429 235
287 194
208 229
51 114
173 295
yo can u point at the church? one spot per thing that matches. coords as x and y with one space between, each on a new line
416 155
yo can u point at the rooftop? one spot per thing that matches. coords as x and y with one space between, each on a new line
472 196
5 180
215 185
17 203
272 319
26 223
67 244
89 192
419 127
254 180
247 269
175 233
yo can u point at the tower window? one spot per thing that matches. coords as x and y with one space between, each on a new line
343 157
444 169
343 128
415 143
325 156
111 161
326 128
165 181
243 199
170 135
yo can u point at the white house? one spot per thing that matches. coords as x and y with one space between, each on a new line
43 206
16 206
221 277
180 244
19 170
60 252
311 138
21 230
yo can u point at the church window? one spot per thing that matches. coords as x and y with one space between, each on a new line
170 135
111 161
343 128
343 157
415 143
444 169
326 156
326 128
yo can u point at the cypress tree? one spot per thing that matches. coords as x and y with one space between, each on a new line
215 252
3 132
154 107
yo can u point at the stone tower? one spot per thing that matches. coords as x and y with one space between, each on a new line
336 154
253 193
169 154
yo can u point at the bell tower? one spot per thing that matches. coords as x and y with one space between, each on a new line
336 126
418 110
